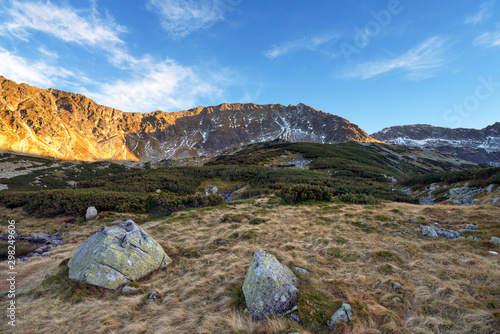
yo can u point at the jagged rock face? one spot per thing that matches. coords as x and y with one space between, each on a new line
481 146
71 126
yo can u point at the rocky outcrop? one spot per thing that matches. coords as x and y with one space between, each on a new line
70 126
481 146
116 255
269 287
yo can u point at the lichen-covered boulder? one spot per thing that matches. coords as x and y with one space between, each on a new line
116 255
269 287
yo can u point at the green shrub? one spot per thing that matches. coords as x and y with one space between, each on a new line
303 192
354 198
163 204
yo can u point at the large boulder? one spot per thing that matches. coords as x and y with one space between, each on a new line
116 255
269 287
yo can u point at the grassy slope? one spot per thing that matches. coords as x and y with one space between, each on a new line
453 286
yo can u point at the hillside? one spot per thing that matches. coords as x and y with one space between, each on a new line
69 126
343 217
352 253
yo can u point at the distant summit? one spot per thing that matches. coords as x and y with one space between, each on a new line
481 146
71 126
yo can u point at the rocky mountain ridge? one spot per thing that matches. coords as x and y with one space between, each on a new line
71 126
481 146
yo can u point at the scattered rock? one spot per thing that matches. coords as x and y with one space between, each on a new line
269 287
153 297
158 191
397 287
413 221
211 190
302 270
433 232
129 289
397 300
495 240
91 213
429 231
343 314
473 238
116 255
392 223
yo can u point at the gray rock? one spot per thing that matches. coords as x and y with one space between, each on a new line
302 270
129 289
397 287
471 227
343 314
433 232
153 297
495 240
429 231
397 300
269 287
211 190
392 223
473 238
91 213
490 188
116 255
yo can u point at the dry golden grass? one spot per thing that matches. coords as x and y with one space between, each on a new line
453 286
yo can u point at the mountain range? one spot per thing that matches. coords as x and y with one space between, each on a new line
70 126
481 146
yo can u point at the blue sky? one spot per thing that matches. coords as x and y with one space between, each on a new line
375 63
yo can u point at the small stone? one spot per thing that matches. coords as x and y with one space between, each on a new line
302 270
393 223
471 227
493 252
343 314
397 300
429 232
158 191
91 213
398 233
413 221
153 297
495 240
397 287
128 289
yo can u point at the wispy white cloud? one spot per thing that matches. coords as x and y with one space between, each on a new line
485 12
37 73
146 84
163 85
51 54
182 17
85 28
306 43
488 39
418 63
